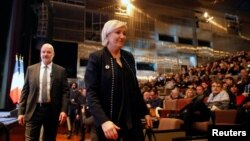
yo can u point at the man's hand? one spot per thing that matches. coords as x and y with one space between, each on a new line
148 120
62 117
246 105
110 130
21 120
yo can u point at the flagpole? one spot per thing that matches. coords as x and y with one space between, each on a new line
21 78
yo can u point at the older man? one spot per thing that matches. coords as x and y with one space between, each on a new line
219 98
44 97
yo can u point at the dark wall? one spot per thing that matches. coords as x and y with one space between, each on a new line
66 56
6 7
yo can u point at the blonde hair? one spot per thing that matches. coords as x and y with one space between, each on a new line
110 26
188 96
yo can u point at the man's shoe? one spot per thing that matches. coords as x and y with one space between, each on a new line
76 132
69 135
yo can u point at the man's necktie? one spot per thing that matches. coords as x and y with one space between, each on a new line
44 85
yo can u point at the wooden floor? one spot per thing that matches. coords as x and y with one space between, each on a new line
62 135
17 134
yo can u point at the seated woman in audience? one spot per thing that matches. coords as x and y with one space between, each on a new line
244 113
190 93
239 96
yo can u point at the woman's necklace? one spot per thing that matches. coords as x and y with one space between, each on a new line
118 59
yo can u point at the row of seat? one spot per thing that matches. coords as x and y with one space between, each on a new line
222 117
171 128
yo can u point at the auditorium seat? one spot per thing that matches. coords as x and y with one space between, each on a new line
182 103
169 123
201 126
170 104
168 129
225 117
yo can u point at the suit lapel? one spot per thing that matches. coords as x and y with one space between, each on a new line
37 73
52 76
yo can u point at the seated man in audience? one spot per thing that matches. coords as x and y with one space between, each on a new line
229 82
175 94
146 97
219 98
155 101
200 94
244 82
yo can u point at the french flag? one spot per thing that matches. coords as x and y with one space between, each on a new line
17 81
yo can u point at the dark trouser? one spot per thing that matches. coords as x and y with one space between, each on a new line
43 115
82 132
73 121
193 115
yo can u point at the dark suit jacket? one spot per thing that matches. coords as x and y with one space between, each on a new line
59 91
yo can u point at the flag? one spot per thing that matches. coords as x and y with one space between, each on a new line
17 80
21 77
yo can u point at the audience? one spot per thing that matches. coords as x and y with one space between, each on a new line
219 85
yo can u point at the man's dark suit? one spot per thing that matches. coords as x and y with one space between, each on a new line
30 93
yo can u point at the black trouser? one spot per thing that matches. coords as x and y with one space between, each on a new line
73 121
43 116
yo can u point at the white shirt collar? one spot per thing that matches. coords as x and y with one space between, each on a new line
49 65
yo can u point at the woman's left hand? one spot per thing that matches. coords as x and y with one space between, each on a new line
62 117
110 130
148 120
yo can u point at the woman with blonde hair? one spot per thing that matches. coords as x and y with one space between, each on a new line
113 94
190 93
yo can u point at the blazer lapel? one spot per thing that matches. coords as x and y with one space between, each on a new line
37 78
52 76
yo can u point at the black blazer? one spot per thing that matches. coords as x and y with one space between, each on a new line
59 91
100 78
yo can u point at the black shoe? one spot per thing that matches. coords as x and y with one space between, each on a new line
82 137
69 135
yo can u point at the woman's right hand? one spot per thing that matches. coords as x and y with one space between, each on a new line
110 130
